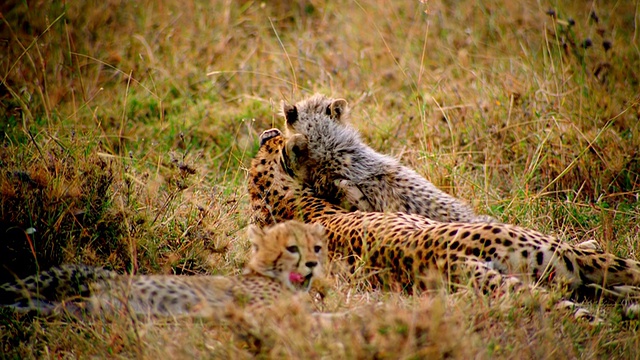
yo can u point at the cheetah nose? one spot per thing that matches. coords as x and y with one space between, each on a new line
311 264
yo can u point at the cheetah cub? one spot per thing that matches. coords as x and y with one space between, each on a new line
339 167
286 258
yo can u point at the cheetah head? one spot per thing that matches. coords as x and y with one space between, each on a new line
321 123
309 116
313 109
290 252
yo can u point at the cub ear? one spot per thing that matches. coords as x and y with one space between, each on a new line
338 109
290 113
256 234
318 230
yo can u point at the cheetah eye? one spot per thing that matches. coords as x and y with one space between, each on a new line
317 248
293 249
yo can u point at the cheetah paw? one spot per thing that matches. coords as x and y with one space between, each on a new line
269 134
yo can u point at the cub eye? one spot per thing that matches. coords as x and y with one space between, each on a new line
293 249
317 248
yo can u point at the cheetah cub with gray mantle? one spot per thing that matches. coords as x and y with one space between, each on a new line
286 258
339 167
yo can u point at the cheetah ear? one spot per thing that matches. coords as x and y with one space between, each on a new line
338 109
290 113
256 234
318 230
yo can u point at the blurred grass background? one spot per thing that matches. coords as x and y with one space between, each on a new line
127 128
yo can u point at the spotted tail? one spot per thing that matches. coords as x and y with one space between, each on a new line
43 291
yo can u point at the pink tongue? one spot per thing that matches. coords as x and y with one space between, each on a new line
295 277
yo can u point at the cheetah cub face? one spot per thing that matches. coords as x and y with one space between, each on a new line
291 252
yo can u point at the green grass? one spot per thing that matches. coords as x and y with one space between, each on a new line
126 129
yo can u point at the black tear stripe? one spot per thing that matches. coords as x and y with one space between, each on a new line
276 261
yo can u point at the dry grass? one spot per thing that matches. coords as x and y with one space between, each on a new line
121 151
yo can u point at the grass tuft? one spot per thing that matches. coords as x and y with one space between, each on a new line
126 129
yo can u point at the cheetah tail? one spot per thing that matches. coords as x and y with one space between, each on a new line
42 291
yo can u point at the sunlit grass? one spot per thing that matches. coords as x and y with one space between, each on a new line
127 128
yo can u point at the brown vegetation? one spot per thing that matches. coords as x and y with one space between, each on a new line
126 127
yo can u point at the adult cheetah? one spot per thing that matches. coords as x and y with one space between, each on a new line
286 258
400 250
340 166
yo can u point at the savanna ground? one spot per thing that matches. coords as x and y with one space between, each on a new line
127 128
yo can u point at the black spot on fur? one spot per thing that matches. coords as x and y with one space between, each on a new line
408 263
374 257
622 263
539 258
568 263
587 268
396 259
614 269
583 277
